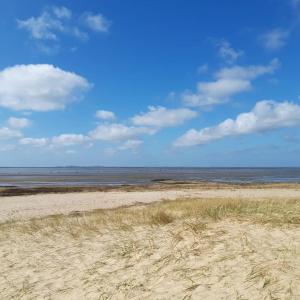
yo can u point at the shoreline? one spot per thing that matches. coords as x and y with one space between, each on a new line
8 191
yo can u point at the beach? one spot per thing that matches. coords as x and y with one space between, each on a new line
164 241
45 204
149 150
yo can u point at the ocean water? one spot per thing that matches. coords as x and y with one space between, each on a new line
92 176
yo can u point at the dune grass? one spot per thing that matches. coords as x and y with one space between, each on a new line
191 212
182 249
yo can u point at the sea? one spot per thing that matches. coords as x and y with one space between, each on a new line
114 176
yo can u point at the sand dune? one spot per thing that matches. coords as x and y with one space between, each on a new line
229 261
219 244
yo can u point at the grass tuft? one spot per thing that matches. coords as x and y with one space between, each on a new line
161 218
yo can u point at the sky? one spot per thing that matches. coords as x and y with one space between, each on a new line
150 83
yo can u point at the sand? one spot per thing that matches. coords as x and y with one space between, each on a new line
29 206
230 261
226 259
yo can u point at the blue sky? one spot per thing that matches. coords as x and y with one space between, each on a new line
150 83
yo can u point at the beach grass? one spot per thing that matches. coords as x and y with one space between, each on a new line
271 212
183 249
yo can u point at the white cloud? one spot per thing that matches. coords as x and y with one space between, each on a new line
250 72
118 132
216 92
229 82
51 23
69 139
39 87
18 122
63 140
131 145
162 117
43 27
35 142
105 115
266 115
62 12
227 53
96 22
274 39
48 28
8 133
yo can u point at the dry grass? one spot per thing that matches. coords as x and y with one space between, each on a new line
183 249
276 212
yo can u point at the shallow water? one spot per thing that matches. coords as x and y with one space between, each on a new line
74 176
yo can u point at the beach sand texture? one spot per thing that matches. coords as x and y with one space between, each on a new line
208 244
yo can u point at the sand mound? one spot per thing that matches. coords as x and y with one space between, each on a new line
188 249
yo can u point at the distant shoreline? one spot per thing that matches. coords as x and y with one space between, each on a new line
77 178
9 191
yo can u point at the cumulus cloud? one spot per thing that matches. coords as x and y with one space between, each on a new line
69 140
162 117
228 53
9 133
249 72
266 115
274 39
229 82
39 87
96 22
35 142
118 132
216 92
63 140
105 115
144 124
18 122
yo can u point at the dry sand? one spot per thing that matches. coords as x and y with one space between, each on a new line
231 261
29 206
226 259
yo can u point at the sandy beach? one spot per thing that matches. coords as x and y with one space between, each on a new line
226 242
40 205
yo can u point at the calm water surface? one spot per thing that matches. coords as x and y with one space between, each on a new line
29 177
